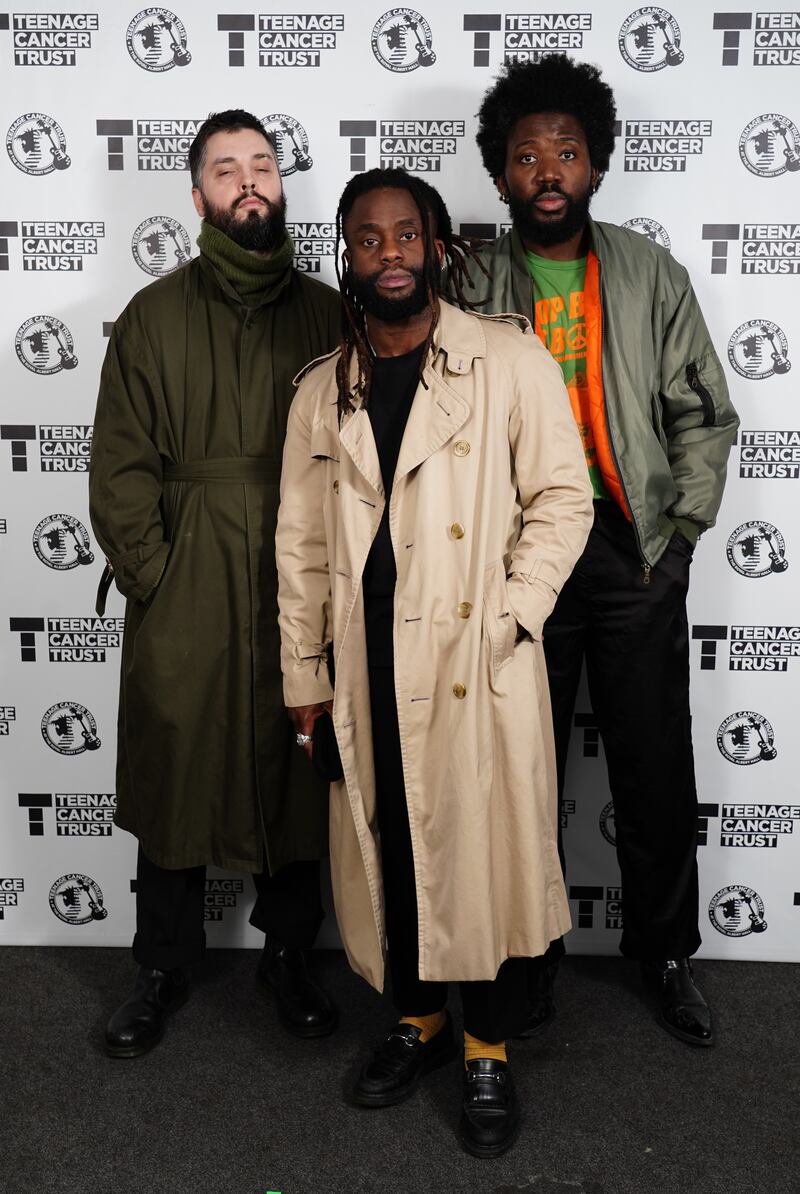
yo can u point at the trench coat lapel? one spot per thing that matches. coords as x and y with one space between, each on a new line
436 414
358 441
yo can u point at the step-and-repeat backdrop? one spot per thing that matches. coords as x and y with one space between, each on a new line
98 110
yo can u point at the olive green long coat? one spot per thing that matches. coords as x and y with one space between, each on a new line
191 418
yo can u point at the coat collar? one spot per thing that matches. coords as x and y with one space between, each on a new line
437 412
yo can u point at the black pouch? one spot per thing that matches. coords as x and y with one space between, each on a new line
325 755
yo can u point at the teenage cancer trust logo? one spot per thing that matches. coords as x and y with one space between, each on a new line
69 729
650 39
758 349
77 900
292 142
745 738
44 345
737 911
62 542
770 145
402 41
757 549
156 40
36 144
160 245
650 229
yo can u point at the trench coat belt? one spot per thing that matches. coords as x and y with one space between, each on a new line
231 470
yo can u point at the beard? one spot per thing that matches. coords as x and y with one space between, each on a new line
259 232
382 306
547 231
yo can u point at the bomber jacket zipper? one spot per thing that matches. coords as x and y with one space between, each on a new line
694 382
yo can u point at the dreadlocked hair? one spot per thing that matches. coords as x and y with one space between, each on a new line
436 225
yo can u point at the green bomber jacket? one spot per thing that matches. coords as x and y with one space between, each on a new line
670 419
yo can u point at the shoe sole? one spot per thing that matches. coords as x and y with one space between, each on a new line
487 1151
399 1095
686 1037
131 1051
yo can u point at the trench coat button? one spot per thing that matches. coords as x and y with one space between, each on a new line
457 531
461 447
336 487
459 691
464 609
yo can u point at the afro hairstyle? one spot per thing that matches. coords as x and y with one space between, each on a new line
555 84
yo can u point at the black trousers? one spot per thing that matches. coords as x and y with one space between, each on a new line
493 1010
170 904
634 637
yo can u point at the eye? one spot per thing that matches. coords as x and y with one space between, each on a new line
224 173
568 155
527 159
369 241
410 234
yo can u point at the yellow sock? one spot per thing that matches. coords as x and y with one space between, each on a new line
428 1025
473 1049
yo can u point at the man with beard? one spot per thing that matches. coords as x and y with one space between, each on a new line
434 499
619 315
190 422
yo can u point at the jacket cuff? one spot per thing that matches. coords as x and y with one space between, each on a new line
690 530
532 601
305 675
138 572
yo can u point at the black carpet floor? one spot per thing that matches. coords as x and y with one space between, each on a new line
229 1104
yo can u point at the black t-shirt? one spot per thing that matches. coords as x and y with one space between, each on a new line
394 383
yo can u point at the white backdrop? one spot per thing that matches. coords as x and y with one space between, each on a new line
99 109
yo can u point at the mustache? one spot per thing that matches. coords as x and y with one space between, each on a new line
252 195
549 190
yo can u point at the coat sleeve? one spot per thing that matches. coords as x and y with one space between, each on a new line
126 472
698 417
301 552
555 492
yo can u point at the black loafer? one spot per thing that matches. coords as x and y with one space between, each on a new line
541 976
138 1024
400 1062
490 1113
682 1009
304 1009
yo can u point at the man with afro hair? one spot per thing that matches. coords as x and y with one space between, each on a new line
619 315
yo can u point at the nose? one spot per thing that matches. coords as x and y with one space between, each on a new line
549 168
248 186
391 252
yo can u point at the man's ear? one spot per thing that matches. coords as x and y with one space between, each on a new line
595 177
439 247
502 187
199 205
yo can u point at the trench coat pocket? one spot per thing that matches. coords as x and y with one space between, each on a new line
499 621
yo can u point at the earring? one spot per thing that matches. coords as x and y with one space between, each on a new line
503 198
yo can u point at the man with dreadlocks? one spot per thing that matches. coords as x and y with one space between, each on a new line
433 502
619 315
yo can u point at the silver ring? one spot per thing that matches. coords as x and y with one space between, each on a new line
302 739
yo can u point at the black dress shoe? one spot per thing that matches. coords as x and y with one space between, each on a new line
682 1009
303 1007
490 1112
400 1062
138 1024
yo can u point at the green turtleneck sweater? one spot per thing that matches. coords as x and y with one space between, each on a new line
257 280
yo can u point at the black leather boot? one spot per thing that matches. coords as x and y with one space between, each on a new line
303 1007
682 1009
138 1024
490 1111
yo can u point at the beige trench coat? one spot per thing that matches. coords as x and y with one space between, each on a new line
490 509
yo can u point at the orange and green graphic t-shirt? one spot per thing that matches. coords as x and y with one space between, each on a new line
560 304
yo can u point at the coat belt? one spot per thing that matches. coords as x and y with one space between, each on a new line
237 470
